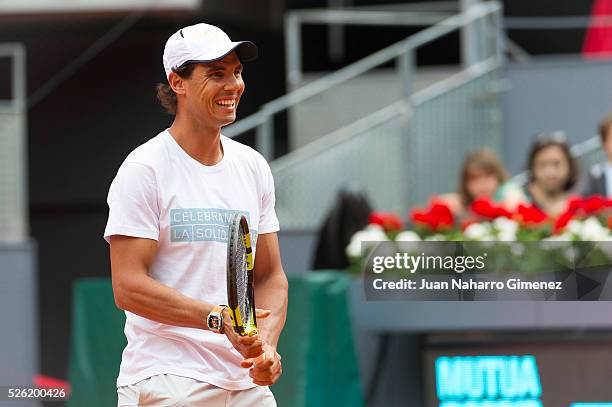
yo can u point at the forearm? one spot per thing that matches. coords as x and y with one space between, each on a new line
271 294
150 299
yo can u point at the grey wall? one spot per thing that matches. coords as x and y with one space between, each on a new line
297 249
18 318
565 94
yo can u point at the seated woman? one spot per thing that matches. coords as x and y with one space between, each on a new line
483 176
553 173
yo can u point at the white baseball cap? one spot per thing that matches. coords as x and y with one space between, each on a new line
203 43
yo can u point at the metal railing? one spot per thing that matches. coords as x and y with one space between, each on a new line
484 20
295 19
366 154
451 119
394 155
13 163
556 22
381 150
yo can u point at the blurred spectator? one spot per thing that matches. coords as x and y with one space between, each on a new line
483 176
553 173
599 179
349 215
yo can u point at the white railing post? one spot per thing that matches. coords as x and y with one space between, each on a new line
264 137
406 66
14 223
19 76
469 36
335 33
497 17
293 47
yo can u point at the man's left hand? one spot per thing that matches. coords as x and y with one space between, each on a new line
266 368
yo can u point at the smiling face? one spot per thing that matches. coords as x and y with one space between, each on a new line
213 91
481 184
551 169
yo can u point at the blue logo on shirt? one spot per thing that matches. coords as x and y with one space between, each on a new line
203 224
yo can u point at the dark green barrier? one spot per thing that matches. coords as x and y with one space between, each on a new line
319 364
97 343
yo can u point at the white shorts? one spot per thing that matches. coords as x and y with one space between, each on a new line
166 390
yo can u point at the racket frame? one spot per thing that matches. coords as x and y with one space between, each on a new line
239 229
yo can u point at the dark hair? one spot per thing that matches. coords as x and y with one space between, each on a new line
165 94
554 139
484 160
604 127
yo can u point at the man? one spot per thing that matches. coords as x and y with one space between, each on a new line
599 179
170 205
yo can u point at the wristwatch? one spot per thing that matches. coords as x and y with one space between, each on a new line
214 321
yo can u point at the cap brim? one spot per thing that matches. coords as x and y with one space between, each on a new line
246 51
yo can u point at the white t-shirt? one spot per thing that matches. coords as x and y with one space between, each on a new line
162 193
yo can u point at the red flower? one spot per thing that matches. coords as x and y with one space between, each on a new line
575 204
588 206
609 222
485 208
562 221
531 214
437 216
388 221
442 214
593 204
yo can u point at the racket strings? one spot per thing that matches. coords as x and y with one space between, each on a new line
242 280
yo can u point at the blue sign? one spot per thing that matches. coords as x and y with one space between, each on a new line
488 381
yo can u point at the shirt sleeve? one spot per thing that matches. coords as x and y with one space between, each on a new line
132 202
268 222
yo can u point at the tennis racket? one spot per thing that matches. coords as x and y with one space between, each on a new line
240 293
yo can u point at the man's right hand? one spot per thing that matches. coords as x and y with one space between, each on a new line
247 346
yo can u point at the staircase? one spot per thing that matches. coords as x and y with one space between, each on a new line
399 134
350 101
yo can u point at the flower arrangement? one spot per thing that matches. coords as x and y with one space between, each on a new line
585 219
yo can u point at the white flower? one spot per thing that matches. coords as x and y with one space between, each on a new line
506 237
375 227
574 227
478 231
372 233
592 230
589 230
504 224
436 238
407 236
506 229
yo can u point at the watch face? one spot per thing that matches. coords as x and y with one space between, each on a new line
214 322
